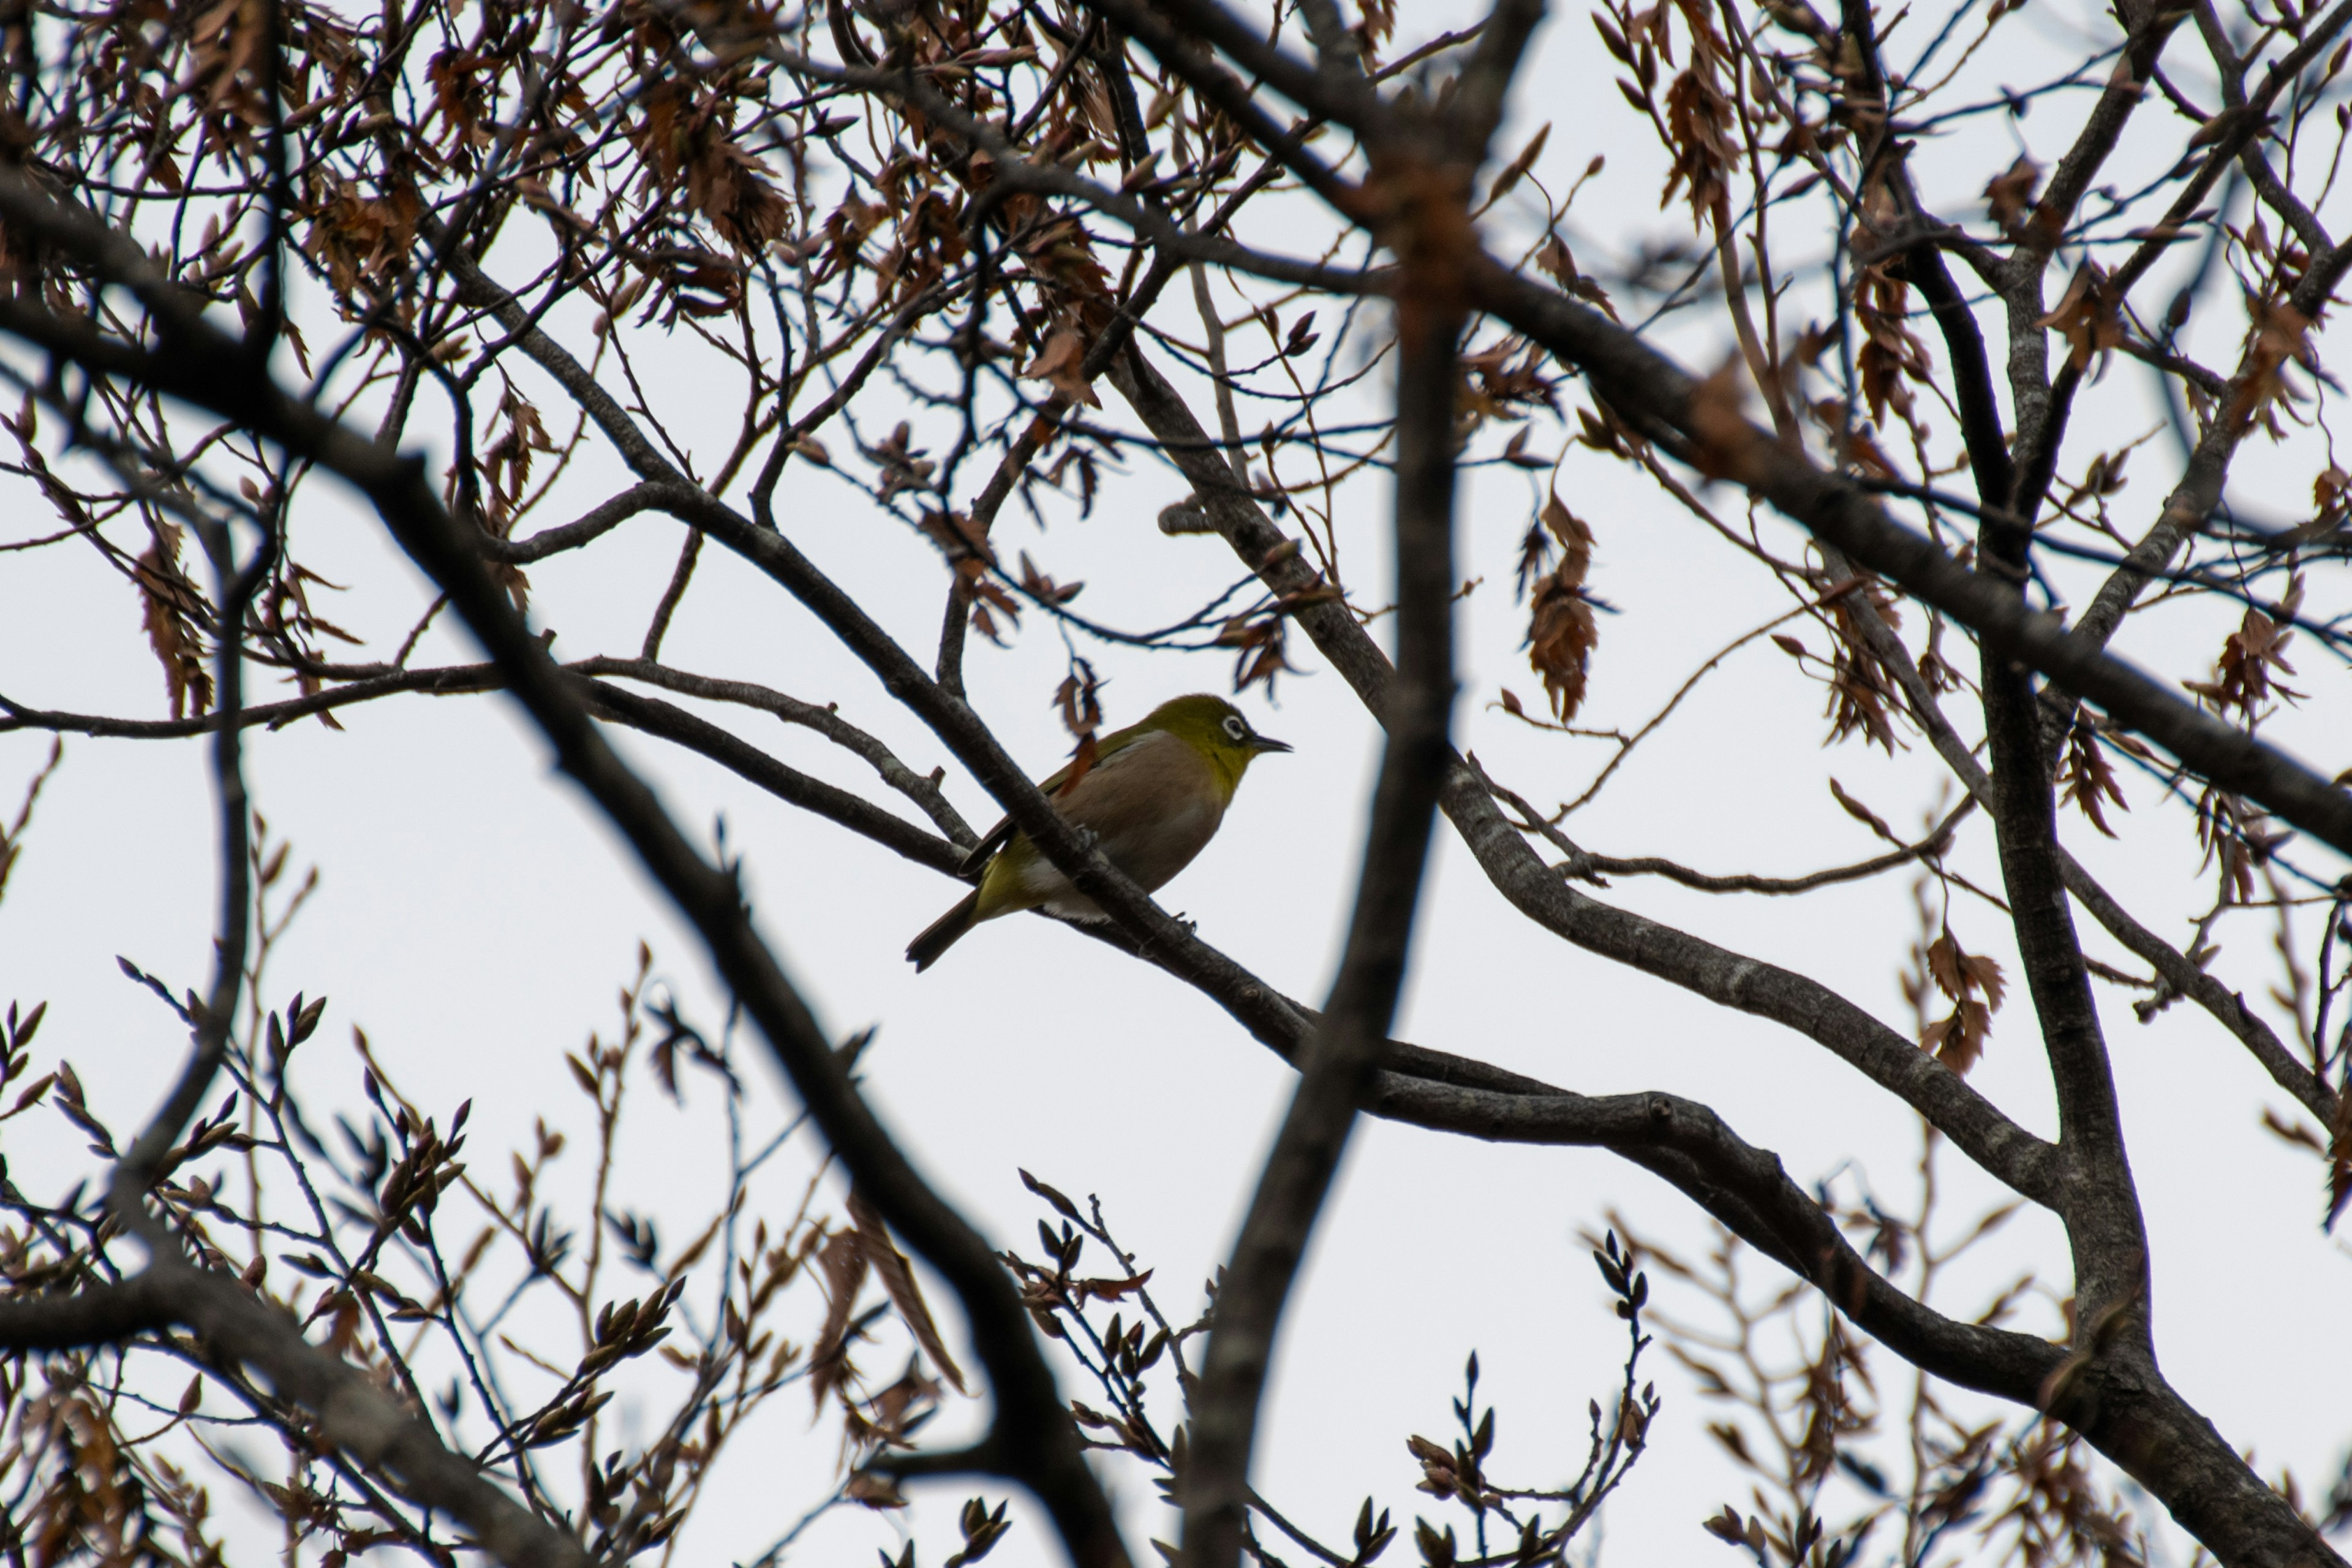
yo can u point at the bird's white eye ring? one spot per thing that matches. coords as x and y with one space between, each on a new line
1236 728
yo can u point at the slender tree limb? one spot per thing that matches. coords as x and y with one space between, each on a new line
194 362
2105 1232
2038 466
1582 864
1972 389
948 670
1744 882
446 680
2104 1223
2206 474
151 1153
2151 27
474 679
753 765
921 789
592 525
2008 1151
680 576
1641 382
1347 1045
1650 388
2226 1006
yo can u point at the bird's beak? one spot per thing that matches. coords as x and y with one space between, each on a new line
1266 744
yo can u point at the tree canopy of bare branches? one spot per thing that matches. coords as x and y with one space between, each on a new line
1888 336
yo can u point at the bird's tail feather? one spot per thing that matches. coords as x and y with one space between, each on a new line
943 932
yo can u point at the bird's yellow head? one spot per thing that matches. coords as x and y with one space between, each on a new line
1214 727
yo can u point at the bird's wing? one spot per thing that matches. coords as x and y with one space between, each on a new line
976 859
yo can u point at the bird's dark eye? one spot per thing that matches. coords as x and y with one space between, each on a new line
1236 728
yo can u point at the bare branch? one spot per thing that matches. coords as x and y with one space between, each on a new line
1638 381
196 363
1346 1046
2007 1151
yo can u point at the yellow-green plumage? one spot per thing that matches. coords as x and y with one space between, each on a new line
1153 799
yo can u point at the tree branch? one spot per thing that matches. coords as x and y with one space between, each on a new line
1346 1046
1644 384
2008 1151
194 362
2208 993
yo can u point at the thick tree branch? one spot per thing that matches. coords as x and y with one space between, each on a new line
103 1315
1644 384
1658 395
355 1417
2226 1006
1347 1044
2104 1225
198 364
1689 1145
2008 1151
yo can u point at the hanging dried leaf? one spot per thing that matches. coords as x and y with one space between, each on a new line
1974 985
2089 318
1516 169
2009 196
898 1279
841 1265
2281 334
172 612
1078 697
2087 774
1561 628
1057 365
2243 682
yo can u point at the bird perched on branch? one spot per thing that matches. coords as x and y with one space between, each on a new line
1153 798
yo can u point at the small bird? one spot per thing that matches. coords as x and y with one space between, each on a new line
1153 800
